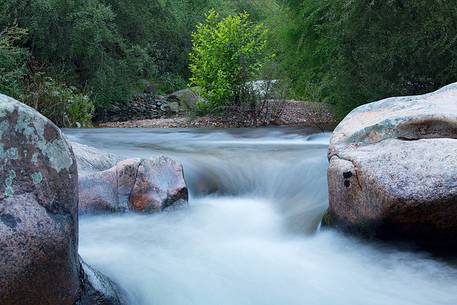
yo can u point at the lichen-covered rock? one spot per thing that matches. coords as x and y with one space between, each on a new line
39 263
38 210
393 169
90 159
139 185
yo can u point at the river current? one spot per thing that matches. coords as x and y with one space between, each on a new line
250 235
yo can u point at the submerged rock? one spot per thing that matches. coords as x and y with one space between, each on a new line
139 185
393 169
39 263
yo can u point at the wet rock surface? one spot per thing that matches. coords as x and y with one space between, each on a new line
97 289
393 169
140 185
90 159
39 263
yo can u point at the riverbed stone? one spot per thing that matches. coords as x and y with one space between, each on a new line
90 159
140 185
393 169
39 263
159 184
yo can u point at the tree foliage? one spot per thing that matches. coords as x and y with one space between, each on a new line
350 52
344 52
113 48
226 53
13 61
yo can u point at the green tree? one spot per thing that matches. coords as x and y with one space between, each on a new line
349 52
79 43
107 49
225 54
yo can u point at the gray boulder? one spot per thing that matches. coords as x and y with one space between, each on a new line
186 100
90 159
39 263
393 169
139 185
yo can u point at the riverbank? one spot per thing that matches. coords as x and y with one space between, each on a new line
295 114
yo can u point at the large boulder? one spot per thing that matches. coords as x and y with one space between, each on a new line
139 185
393 169
39 263
184 100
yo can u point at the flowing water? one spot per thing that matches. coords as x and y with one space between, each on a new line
251 234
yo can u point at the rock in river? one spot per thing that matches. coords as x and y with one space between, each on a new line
39 262
90 159
393 169
140 185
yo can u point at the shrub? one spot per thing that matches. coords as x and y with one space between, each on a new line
13 61
61 104
225 54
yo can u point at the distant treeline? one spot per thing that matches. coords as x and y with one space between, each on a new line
345 52
350 52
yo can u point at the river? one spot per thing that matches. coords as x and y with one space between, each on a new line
250 235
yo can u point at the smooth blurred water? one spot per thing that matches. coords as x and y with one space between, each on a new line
250 235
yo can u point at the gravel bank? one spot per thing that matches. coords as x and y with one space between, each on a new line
296 114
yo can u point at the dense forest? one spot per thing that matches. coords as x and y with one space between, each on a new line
71 58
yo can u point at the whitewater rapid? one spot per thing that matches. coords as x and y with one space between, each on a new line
250 234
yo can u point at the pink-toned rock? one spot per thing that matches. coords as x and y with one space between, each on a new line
38 210
159 184
139 185
98 192
39 262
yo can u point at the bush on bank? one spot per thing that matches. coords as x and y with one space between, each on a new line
226 53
